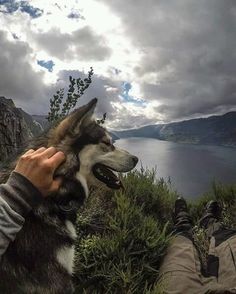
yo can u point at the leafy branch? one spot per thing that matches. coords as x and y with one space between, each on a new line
61 106
102 121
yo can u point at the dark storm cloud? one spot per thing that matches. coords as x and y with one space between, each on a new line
189 46
18 80
84 44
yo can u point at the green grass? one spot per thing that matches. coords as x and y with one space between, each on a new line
123 236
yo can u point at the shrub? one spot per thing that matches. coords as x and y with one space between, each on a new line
123 236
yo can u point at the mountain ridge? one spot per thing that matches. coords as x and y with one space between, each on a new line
213 130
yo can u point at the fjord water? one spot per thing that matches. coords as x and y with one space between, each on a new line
191 168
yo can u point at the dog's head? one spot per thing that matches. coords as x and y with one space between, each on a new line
89 149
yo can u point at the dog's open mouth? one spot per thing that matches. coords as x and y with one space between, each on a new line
107 176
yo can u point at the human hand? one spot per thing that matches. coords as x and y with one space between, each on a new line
39 166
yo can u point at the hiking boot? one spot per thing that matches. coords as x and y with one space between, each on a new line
211 215
181 218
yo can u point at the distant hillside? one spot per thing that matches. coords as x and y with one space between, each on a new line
214 130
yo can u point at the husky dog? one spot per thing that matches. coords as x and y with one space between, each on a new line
40 260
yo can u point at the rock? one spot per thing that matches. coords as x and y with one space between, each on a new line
35 127
15 129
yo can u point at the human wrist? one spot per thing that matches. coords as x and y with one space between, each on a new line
20 193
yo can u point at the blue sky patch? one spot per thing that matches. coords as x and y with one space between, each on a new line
75 15
34 12
9 5
46 64
13 5
126 87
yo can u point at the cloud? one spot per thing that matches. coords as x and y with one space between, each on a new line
83 44
154 61
120 114
130 115
188 48
18 80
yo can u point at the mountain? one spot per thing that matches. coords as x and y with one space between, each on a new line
214 130
35 127
16 127
42 120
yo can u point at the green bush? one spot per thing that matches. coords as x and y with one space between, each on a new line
124 235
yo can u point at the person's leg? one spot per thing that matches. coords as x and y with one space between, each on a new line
210 222
222 250
181 266
225 250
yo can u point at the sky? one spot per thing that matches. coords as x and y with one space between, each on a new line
154 61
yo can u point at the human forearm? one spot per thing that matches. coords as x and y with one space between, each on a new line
17 197
32 179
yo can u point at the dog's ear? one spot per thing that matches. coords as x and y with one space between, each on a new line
81 117
73 123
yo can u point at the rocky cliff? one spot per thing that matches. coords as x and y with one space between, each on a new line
16 127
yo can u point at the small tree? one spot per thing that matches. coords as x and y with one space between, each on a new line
61 106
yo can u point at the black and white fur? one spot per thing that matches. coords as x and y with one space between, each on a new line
40 260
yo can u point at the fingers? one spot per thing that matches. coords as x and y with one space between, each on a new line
49 152
43 152
38 151
29 152
57 159
50 155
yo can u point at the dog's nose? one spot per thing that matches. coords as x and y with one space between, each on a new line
135 160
